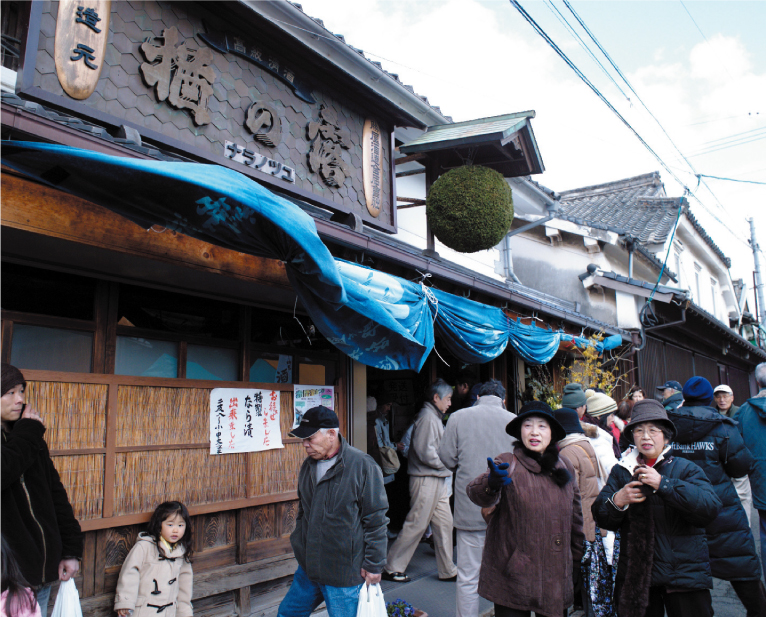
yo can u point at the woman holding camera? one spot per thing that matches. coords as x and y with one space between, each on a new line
535 530
660 504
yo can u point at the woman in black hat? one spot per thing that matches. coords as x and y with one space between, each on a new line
535 529
660 504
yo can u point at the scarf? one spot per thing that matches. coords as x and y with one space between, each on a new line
547 461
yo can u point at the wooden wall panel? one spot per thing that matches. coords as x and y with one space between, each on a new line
150 416
145 479
213 530
275 471
83 479
74 413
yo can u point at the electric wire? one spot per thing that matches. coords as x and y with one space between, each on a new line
598 93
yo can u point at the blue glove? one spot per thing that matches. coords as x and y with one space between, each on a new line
498 475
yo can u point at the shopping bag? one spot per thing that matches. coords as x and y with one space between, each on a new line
371 602
68 601
390 460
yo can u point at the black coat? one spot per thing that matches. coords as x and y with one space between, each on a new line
683 505
37 519
713 442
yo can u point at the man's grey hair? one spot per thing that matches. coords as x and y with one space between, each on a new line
438 388
760 375
324 431
493 387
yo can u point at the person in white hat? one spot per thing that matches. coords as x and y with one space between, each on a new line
724 400
724 403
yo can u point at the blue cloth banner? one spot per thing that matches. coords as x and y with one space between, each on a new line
375 318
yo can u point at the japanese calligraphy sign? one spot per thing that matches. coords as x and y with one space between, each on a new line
82 30
244 420
306 397
372 166
181 73
325 154
228 44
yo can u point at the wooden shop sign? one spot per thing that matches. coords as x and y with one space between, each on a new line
372 166
82 30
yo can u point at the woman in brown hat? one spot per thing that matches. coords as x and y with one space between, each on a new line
660 504
535 531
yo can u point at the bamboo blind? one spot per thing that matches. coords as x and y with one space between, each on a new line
275 471
74 413
145 479
150 416
83 478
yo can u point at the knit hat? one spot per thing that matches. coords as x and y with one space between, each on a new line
600 404
11 377
573 397
569 420
698 391
540 410
648 410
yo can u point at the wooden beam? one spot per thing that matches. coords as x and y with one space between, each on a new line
46 211
418 204
414 201
410 158
412 172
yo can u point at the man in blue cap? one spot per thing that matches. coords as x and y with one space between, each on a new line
340 531
672 396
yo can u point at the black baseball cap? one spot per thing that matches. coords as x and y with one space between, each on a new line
671 384
314 419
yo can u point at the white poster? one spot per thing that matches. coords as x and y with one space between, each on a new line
306 397
244 420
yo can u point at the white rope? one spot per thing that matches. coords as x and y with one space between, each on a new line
295 317
433 300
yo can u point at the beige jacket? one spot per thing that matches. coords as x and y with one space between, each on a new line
423 459
583 459
136 588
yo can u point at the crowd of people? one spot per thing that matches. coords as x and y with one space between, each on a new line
622 509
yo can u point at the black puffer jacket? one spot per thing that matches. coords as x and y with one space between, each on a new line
37 519
683 505
714 443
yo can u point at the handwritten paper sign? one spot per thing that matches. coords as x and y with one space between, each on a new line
244 420
306 397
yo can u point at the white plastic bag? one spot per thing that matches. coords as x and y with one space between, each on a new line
371 602
68 601
608 542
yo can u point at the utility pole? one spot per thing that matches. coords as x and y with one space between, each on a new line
758 278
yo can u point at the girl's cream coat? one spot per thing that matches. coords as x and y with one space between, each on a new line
142 567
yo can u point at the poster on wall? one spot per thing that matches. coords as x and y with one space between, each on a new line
244 420
306 397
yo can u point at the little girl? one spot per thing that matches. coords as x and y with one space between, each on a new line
17 599
156 577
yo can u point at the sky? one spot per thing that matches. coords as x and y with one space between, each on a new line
699 67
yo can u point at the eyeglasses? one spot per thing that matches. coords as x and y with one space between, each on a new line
651 431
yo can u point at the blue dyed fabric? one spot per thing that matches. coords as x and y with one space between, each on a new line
375 318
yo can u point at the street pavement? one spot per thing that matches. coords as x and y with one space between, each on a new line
437 598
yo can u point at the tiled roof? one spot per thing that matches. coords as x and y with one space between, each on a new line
636 207
393 76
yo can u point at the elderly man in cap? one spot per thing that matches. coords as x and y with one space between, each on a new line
713 442
340 531
724 400
671 394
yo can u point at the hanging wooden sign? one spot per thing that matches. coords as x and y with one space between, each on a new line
372 166
82 30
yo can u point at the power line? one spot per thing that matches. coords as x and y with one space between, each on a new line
730 179
598 93
595 90
552 7
727 146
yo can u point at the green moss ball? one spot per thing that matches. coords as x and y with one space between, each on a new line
470 208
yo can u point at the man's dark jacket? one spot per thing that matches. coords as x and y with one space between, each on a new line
673 401
683 505
341 523
752 426
713 442
37 519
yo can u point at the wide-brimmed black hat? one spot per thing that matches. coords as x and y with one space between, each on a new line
314 419
540 410
569 420
648 410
